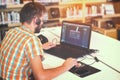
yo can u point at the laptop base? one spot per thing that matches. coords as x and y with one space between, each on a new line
65 52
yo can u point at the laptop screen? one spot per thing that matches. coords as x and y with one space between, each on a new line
77 34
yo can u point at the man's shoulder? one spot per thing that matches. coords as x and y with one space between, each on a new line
24 32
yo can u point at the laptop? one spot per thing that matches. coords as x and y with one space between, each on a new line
74 40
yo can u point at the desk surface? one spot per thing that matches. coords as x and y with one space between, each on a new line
109 52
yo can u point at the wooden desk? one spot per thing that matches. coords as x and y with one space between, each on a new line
108 32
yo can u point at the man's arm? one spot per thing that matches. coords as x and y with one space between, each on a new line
47 74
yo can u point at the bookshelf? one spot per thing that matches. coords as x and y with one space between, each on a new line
78 9
9 11
10 15
100 10
71 10
87 9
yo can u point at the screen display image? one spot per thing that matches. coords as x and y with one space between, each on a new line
76 34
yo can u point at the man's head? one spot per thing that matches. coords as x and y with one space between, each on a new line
32 11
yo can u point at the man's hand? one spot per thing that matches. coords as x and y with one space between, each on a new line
69 63
48 45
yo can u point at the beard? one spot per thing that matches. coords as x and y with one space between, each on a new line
37 29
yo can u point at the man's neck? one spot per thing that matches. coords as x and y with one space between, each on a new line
29 26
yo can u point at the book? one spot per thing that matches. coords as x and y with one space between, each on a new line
108 9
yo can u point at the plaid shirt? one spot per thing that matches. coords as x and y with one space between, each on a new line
16 49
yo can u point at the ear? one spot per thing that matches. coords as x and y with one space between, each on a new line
33 23
35 19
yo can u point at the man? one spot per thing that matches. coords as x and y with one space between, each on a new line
21 52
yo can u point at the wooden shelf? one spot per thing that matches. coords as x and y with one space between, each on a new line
15 6
65 3
111 15
71 19
14 24
94 1
81 1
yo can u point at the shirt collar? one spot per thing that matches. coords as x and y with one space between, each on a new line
27 29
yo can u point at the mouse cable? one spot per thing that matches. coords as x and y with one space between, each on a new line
98 60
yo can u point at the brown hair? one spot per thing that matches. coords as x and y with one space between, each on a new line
30 10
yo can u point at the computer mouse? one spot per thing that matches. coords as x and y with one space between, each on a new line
43 39
75 68
80 64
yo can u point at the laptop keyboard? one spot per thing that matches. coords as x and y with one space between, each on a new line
80 50
66 51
